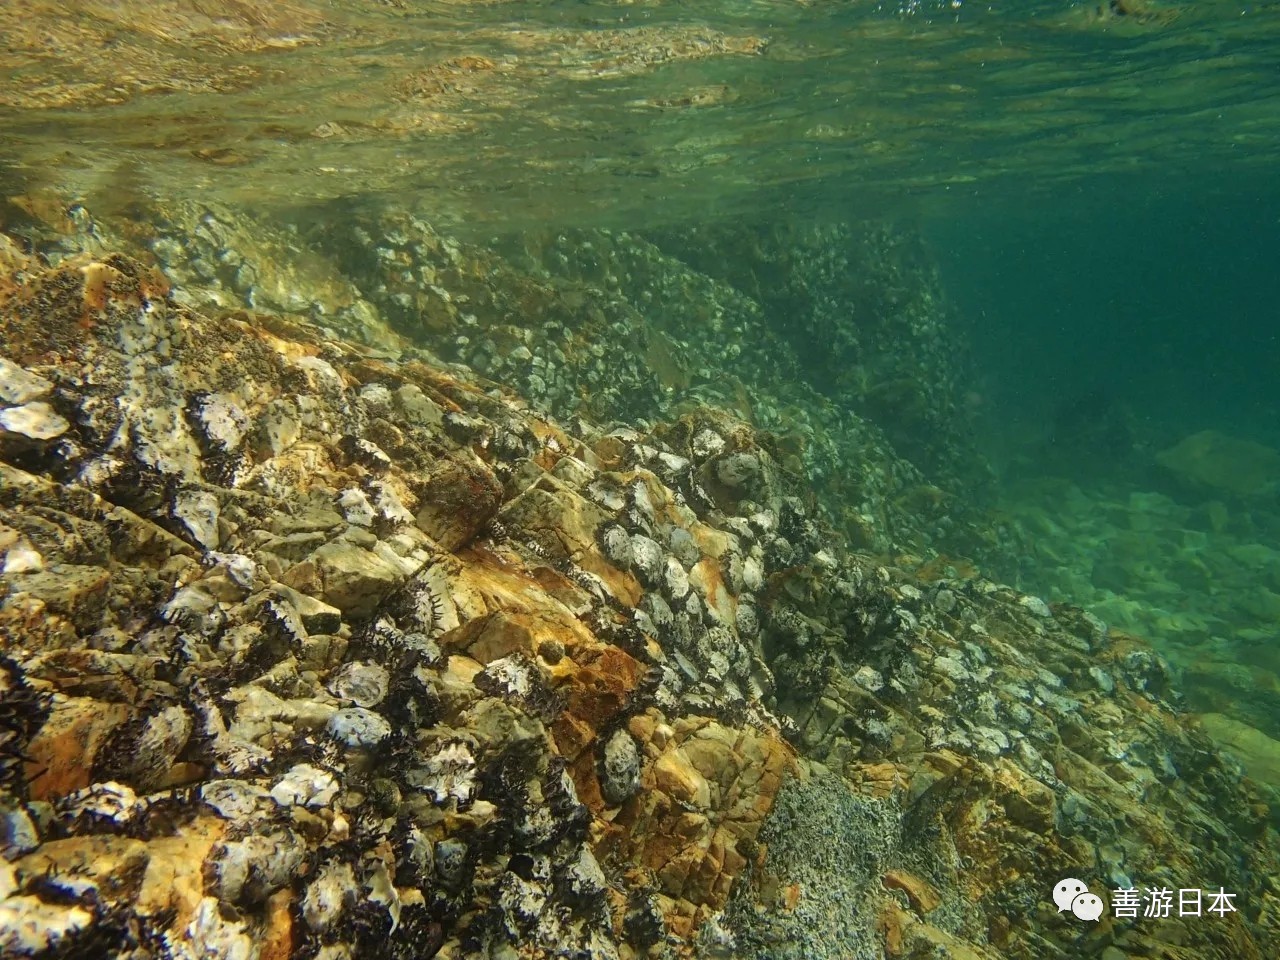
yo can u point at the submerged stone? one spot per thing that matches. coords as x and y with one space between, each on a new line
1223 462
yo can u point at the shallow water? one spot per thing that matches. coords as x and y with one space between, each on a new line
570 114
1082 202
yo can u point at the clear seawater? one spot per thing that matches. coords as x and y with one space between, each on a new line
1111 318
1097 183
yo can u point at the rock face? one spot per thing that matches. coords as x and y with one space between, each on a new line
833 343
1224 463
309 651
358 680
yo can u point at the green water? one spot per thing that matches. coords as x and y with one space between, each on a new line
1161 295
496 114
1095 184
1110 319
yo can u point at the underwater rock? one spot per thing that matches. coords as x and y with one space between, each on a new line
32 421
1226 463
305 785
458 500
364 684
561 699
18 386
351 578
620 773
357 727
738 470
1259 753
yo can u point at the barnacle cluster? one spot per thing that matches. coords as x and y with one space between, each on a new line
314 649
361 731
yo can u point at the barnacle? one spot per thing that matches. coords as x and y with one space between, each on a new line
642 924
505 780
571 818
590 582
615 542
453 862
448 772
512 440
417 607
88 927
519 679
332 891
411 700
358 727
246 870
646 690
305 785
414 854
23 711
143 750
364 684
619 767
647 558
366 453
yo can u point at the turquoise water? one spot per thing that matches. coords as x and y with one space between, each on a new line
1110 321
1095 184
994 284
1160 295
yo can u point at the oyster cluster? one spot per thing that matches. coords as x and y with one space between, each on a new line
317 649
332 643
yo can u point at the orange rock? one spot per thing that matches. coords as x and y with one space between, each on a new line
881 779
586 782
650 730
600 690
624 587
117 864
495 636
62 753
706 579
675 776
891 923
97 276
705 791
277 934
458 500
174 879
923 898
1027 801
572 735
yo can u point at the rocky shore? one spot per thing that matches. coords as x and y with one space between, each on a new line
316 643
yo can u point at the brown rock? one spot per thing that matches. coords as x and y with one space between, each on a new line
62 754
117 865
457 501
674 775
563 522
75 591
174 879
703 798
349 577
277 936
923 898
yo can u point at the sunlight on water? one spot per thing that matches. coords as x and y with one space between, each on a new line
500 113
765 479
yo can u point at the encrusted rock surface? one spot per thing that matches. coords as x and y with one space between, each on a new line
323 652
833 343
315 649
